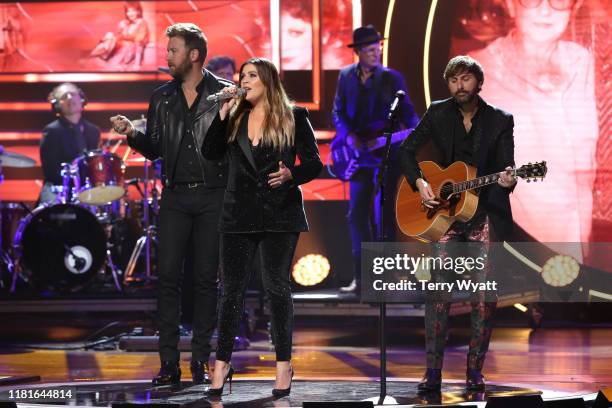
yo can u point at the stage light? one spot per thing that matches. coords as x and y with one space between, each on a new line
311 270
560 270
521 307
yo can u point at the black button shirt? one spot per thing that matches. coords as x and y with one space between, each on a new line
466 144
188 166
62 142
365 98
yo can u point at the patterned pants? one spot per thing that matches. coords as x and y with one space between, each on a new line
437 303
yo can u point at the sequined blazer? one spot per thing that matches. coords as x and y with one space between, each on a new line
250 204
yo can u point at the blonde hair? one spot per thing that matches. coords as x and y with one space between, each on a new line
279 124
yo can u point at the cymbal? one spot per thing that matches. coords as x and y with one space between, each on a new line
12 159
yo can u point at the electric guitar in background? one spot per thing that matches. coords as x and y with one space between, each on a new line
453 188
346 160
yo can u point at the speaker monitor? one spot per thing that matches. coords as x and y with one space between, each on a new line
604 399
565 403
150 405
338 404
522 401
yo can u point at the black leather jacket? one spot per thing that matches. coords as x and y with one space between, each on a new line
164 130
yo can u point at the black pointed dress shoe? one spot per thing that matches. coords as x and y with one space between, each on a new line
431 381
474 380
283 392
199 372
217 392
169 374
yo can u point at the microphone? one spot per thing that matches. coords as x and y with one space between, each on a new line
164 70
222 96
399 96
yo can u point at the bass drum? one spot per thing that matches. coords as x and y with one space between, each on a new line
60 247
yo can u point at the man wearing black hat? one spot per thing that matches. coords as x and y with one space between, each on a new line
363 97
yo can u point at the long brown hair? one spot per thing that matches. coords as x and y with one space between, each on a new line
278 125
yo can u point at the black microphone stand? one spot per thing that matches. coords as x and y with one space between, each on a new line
379 188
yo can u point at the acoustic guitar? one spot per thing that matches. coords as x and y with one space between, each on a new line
453 188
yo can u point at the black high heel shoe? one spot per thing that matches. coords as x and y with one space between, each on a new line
216 392
283 392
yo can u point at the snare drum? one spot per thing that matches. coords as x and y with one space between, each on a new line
98 177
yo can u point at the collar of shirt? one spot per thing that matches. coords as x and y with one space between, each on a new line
358 69
69 125
481 105
199 90
66 123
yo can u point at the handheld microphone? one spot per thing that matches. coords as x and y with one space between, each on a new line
222 96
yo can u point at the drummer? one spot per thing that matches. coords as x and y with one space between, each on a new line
65 138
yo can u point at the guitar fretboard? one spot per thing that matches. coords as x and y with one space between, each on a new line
475 183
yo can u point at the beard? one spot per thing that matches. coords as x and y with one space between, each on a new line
464 97
181 70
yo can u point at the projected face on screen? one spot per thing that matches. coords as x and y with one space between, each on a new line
542 72
296 34
296 39
540 20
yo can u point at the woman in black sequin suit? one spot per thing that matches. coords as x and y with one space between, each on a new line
262 133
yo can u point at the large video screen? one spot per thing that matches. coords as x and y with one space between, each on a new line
545 62
116 36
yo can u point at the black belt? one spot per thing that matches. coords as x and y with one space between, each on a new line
190 185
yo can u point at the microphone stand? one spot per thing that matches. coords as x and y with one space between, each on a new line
379 188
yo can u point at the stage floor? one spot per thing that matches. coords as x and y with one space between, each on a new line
256 393
337 361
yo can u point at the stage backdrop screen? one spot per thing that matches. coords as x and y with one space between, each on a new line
115 36
123 36
545 62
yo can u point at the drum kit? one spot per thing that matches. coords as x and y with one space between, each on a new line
89 230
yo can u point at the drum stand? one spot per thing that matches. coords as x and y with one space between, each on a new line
149 236
67 196
113 267
6 258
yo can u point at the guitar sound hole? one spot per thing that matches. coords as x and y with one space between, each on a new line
445 191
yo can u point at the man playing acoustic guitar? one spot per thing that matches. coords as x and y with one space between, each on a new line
364 95
464 128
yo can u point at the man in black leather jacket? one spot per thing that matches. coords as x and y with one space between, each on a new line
178 119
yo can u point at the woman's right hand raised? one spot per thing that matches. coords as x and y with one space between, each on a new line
228 104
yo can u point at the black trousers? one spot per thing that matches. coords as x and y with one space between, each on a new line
363 218
276 250
188 212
